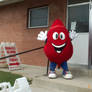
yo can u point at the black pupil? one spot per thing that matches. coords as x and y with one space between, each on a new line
61 36
56 35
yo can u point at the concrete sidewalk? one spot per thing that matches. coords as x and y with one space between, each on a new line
28 71
82 81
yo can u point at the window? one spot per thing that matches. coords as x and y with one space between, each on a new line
79 14
77 1
38 17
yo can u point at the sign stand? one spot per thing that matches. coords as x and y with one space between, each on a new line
7 49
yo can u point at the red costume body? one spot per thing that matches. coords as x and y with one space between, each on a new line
58 48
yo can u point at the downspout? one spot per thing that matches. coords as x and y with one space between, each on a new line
90 36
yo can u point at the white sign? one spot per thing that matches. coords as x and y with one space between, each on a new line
73 25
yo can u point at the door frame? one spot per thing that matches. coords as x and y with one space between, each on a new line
90 31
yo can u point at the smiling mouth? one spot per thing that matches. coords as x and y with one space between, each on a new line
59 48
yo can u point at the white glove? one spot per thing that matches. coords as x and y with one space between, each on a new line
42 36
73 34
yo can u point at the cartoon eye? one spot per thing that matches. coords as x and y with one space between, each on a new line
62 36
55 35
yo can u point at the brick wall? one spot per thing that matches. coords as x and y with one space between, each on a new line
13 27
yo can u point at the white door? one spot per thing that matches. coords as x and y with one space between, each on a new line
79 13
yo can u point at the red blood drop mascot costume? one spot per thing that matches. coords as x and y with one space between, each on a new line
58 48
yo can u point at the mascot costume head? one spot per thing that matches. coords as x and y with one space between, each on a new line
58 47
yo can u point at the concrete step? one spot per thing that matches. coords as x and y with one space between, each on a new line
82 81
82 84
40 89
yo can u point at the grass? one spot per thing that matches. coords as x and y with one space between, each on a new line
9 77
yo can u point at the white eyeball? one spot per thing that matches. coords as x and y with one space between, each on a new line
62 36
55 35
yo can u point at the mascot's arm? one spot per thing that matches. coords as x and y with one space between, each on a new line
42 36
73 34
